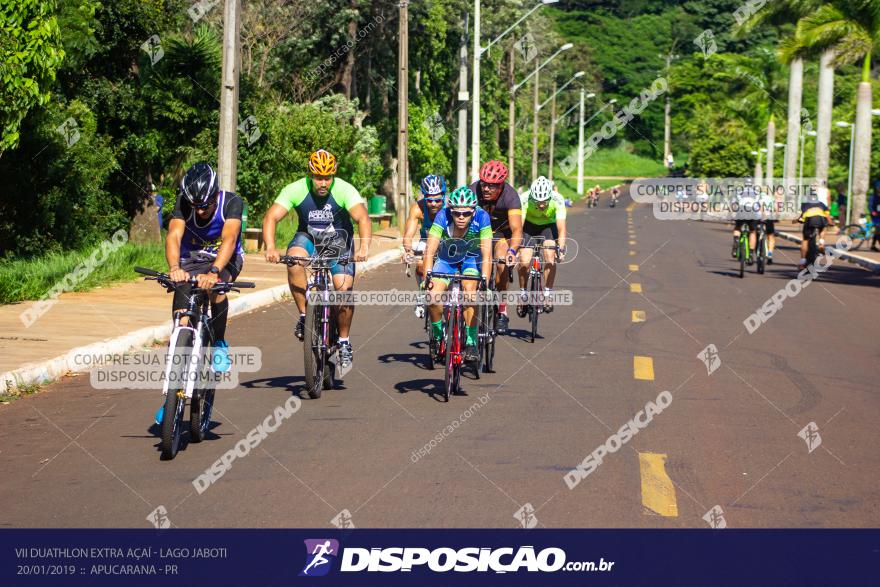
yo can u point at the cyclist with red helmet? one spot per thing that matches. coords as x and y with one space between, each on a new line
502 202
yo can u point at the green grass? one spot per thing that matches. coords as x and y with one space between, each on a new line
30 279
617 162
14 393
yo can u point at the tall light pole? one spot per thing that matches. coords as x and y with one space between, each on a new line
667 126
227 156
478 54
461 175
852 141
402 115
553 115
758 166
538 68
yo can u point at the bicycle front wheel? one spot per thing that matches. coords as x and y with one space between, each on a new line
452 353
314 351
536 308
743 252
761 256
856 234
175 398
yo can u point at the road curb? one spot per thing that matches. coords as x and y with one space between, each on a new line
863 262
52 369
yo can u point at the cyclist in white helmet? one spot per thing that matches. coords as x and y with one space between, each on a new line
543 211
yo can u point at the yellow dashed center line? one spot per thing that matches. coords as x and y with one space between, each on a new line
632 253
633 267
635 287
643 368
658 492
638 315
632 242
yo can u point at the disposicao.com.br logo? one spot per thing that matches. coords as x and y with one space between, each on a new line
444 559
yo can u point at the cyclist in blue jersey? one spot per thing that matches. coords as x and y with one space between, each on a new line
461 237
204 240
421 216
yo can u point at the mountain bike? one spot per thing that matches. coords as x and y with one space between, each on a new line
321 332
761 247
859 233
743 252
185 375
452 341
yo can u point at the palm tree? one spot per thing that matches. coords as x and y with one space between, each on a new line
851 29
783 12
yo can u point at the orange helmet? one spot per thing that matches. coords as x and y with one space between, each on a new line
322 162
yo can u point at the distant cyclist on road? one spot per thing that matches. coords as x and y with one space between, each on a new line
325 206
502 203
461 238
204 240
746 208
543 210
615 195
421 216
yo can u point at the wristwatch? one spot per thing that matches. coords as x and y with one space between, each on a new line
215 270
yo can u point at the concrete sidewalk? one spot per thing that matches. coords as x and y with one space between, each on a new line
120 317
864 257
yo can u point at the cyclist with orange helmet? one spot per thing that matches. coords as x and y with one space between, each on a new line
501 201
325 206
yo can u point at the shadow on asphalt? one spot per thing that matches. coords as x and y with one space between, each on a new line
420 360
285 381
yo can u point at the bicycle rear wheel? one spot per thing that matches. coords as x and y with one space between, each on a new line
175 398
314 352
743 251
813 247
200 407
761 254
489 350
332 339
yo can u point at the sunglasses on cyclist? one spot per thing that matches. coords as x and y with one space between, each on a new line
492 186
206 205
462 213
434 200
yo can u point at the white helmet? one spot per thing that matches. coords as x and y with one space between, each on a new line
541 190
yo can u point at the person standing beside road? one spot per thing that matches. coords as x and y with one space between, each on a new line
841 206
204 240
325 206
874 208
501 201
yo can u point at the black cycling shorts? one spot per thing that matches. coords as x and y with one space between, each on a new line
198 264
819 222
543 231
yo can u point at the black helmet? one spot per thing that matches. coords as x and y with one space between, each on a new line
199 185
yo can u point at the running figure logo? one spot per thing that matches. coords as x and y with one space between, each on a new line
320 554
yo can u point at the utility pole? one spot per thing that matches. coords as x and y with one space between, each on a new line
667 127
535 125
461 175
552 129
227 149
511 118
402 116
580 180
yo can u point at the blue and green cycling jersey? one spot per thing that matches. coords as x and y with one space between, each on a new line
454 249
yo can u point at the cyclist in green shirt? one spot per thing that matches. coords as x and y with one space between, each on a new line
543 212
325 207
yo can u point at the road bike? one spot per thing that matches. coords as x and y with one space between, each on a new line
321 332
488 321
743 252
534 288
859 233
452 341
185 374
812 245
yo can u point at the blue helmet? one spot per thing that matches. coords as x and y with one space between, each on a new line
434 185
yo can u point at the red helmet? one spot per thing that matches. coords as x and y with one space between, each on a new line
493 172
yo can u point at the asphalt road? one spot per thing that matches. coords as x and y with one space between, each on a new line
74 456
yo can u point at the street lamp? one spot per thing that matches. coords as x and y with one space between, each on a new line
852 140
478 54
553 117
513 90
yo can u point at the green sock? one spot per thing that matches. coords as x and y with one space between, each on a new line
437 328
471 337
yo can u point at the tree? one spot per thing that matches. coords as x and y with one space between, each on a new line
851 29
30 53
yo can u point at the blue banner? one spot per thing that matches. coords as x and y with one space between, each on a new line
436 557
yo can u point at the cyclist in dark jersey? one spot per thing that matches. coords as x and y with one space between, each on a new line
325 207
502 202
420 218
204 240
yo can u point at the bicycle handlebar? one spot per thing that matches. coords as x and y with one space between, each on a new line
317 262
457 276
220 286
